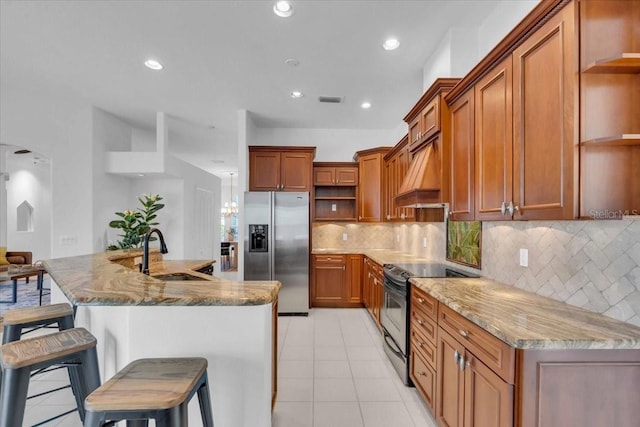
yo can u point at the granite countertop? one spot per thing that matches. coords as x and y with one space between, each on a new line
381 256
97 280
529 321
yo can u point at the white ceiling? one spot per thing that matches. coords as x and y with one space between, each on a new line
222 56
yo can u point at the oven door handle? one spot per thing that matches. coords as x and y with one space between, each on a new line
392 345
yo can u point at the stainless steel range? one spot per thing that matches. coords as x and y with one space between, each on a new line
394 316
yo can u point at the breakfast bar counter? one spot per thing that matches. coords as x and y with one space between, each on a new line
178 311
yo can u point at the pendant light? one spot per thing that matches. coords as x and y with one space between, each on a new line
230 208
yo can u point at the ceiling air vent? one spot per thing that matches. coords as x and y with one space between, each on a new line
330 99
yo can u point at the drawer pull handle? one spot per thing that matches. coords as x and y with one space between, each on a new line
420 344
456 356
421 300
420 322
463 333
462 363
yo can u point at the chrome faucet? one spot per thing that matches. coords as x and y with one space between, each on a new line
145 254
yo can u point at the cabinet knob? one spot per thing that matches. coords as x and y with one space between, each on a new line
359 218
503 208
422 374
463 333
420 322
344 267
420 344
511 208
421 300
456 356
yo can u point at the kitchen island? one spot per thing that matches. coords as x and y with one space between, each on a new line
182 312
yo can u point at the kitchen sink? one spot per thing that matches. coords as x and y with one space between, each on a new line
177 277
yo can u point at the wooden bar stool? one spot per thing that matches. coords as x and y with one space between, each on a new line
17 321
74 347
152 388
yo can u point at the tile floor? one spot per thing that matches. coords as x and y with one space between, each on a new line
332 372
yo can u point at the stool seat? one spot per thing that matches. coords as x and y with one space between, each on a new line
32 351
37 314
148 384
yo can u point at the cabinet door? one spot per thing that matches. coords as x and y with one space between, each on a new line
545 145
328 288
404 159
324 176
295 171
424 378
414 132
346 176
264 171
390 189
493 142
461 207
488 400
377 293
366 283
430 119
370 188
354 279
450 382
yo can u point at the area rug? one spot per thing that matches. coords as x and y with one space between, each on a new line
28 295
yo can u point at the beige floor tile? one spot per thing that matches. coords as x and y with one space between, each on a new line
295 389
369 369
297 352
330 352
295 369
337 414
331 369
293 414
385 414
334 390
376 390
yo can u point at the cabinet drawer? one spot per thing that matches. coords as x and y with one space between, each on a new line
426 348
425 325
424 378
424 302
494 353
329 258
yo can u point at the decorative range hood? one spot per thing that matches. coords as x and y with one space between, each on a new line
426 185
421 187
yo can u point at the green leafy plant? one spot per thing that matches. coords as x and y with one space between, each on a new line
463 242
136 223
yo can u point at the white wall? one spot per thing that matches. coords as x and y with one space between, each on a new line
503 19
333 145
31 182
111 191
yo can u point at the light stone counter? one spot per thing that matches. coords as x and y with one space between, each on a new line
134 316
381 256
529 321
101 279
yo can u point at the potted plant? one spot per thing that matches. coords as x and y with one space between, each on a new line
136 223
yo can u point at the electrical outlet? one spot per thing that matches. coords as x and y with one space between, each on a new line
524 257
68 240
424 242
344 236
334 207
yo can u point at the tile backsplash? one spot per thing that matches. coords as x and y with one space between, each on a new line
589 264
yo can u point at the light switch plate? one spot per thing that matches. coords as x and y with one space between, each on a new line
524 257
334 207
344 236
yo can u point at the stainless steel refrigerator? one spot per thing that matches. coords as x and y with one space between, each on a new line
276 245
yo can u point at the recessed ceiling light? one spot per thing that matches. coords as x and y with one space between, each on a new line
296 94
153 64
390 44
283 8
140 174
366 105
292 62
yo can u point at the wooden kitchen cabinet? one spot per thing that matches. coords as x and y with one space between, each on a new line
372 288
335 191
469 393
545 127
494 142
370 185
396 164
525 161
461 204
610 110
280 168
336 281
423 331
425 124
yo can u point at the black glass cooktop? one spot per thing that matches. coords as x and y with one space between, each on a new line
427 269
